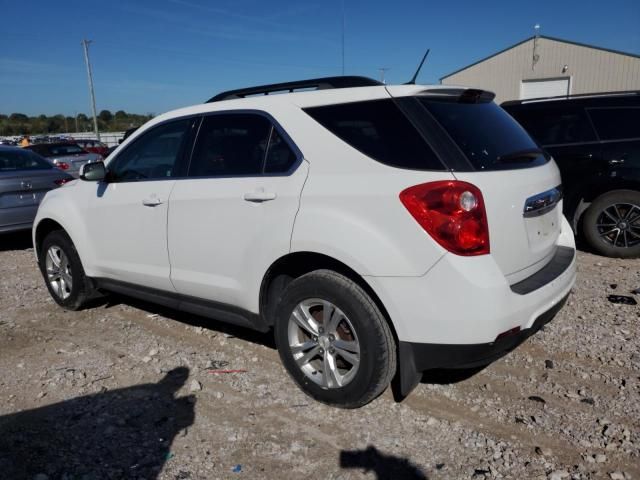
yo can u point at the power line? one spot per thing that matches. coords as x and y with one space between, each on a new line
85 45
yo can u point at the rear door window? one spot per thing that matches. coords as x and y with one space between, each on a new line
486 134
616 123
230 145
11 160
378 129
280 156
555 126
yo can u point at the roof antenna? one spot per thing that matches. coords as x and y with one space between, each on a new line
415 75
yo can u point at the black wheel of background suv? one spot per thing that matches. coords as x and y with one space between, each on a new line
333 340
62 271
611 224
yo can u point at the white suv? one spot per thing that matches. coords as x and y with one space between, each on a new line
379 230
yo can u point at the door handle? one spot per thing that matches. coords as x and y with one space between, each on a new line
151 202
259 197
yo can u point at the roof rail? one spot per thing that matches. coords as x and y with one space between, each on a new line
315 83
569 97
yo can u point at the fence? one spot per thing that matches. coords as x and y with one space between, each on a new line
110 138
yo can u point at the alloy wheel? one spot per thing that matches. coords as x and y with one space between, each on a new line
323 343
619 225
59 272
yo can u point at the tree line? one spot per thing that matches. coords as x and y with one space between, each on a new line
21 124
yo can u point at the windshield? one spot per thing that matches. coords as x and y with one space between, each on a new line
11 160
489 137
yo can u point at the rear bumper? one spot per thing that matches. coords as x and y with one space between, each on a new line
415 358
16 227
425 356
17 218
469 301
464 313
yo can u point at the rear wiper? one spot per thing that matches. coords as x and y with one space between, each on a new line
526 155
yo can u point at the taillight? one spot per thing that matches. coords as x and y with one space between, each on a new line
63 165
62 181
452 212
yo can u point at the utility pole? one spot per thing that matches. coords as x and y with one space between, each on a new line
382 71
535 57
85 45
343 27
76 115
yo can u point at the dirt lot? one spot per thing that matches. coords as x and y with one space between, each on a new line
124 390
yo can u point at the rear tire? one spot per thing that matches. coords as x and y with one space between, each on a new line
62 271
333 340
611 224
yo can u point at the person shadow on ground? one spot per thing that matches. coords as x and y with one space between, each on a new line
123 433
385 467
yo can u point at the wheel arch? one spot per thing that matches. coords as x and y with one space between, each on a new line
295 264
583 200
44 228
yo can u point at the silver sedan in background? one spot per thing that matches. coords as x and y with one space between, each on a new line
25 178
67 156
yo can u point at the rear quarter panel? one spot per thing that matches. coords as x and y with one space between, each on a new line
350 208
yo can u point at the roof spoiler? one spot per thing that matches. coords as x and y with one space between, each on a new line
459 95
324 83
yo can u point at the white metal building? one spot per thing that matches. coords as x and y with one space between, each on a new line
542 66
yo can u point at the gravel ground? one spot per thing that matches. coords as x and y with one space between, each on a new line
124 390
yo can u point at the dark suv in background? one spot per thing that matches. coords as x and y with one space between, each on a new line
595 140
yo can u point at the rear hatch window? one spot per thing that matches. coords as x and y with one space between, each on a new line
487 135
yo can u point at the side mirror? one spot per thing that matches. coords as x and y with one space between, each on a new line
93 172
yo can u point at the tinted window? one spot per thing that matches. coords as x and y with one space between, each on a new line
60 150
616 123
280 157
233 144
21 160
378 129
555 126
488 136
152 156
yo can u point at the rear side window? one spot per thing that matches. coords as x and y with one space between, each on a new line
11 160
380 130
616 123
488 136
555 126
230 145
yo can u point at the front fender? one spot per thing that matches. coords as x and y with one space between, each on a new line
64 206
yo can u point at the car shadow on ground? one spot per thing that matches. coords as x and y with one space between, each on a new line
15 241
253 336
122 433
450 376
385 467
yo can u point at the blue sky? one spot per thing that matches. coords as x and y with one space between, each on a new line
153 56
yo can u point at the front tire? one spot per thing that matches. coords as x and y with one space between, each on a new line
63 273
611 224
333 340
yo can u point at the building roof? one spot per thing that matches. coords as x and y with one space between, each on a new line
555 39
